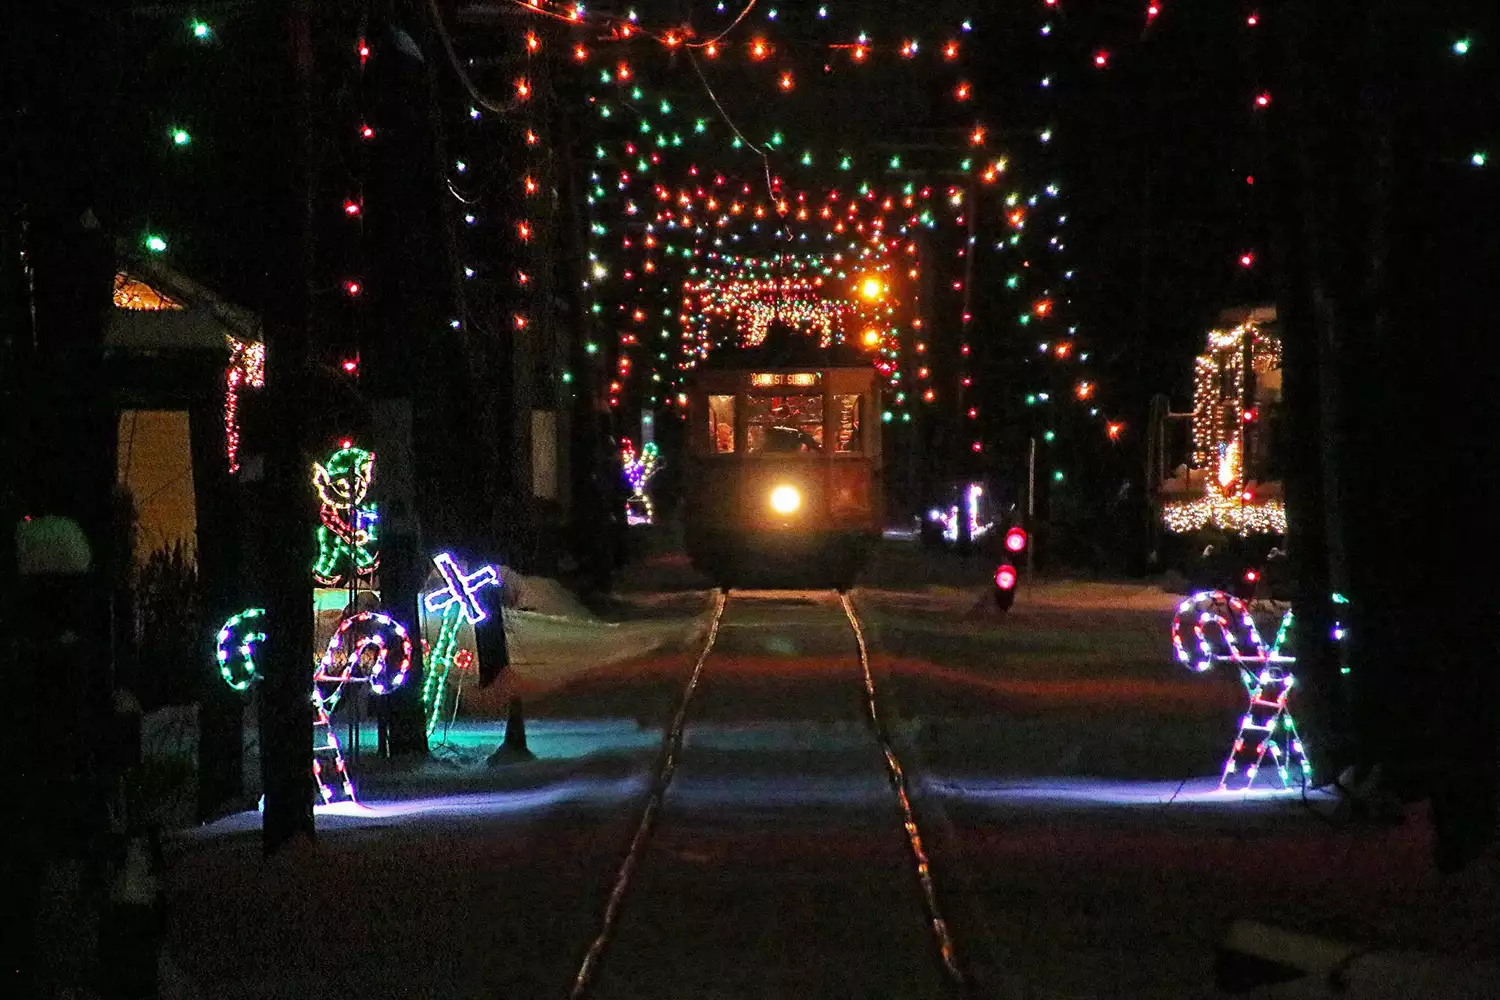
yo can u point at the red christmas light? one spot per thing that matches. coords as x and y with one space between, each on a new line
352 288
1263 99
1101 59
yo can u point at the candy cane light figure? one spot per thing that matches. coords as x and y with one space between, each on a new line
1212 627
360 652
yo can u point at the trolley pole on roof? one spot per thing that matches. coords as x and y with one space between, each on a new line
1031 505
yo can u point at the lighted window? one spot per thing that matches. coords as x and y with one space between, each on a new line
721 424
849 439
785 424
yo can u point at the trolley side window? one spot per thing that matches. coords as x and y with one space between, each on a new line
847 412
720 424
784 424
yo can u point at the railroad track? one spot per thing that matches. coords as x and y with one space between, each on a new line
666 764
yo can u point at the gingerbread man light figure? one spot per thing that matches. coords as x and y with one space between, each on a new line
1212 627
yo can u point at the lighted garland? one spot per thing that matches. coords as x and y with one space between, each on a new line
247 369
1213 627
235 648
1231 514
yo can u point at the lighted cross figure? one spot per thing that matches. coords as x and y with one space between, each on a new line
1264 671
461 590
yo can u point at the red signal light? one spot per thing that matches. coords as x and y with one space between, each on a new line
1015 539
1005 577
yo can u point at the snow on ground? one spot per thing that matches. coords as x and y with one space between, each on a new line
1067 774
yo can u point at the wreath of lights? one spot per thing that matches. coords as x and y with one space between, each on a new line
1213 627
235 648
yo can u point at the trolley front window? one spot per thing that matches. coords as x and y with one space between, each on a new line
782 424
848 426
720 424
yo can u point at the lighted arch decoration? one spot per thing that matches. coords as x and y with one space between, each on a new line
235 648
360 652
1212 627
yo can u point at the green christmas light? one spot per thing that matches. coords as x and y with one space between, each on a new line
1050 436
181 137
666 108
1461 47
1014 281
200 30
807 158
591 347
845 163
895 163
154 243
700 125
1480 158
1057 475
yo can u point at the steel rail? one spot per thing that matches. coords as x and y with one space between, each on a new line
941 931
666 763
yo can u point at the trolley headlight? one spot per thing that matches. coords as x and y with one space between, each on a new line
786 499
